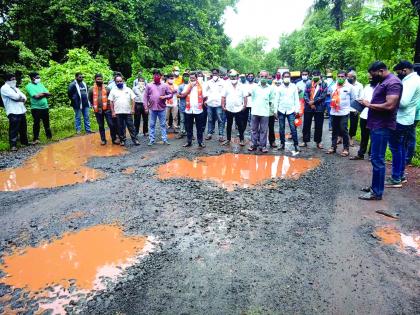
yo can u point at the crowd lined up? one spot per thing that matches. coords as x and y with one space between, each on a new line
386 110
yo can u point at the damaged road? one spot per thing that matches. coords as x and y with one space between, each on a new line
302 244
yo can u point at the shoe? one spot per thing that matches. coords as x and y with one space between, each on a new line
122 143
208 137
303 145
13 149
166 142
296 148
242 143
282 147
150 143
251 149
264 150
103 142
187 145
88 132
404 180
116 141
366 189
136 142
370 196
201 145
273 145
227 142
392 183
356 158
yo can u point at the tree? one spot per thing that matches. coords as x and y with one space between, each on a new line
416 4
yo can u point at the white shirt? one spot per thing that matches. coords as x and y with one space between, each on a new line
11 102
122 99
214 91
234 97
250 87
358 93
366 95
301 85
194 105
287 99
346 97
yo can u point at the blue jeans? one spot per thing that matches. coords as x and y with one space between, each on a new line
215 114
410 144
282 125
399 151
379 140
78 121
154 114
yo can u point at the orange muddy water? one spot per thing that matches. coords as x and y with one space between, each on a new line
391 236
59 164
237 170
85 256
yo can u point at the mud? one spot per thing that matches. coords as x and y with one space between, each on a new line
301 246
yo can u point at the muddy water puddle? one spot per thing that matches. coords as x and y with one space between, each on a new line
74 265
59 164
237 170
405 242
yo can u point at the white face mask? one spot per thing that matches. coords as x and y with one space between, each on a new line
286 80
36 81
304 77
176 73
11 83
215 78
170 81
234 81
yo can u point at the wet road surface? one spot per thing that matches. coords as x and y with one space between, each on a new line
228 234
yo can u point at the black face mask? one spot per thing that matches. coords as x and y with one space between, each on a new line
401 75
376 80
351 81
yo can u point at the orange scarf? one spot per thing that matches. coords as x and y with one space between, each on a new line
313 88
200 97
95 98
170 101
335 99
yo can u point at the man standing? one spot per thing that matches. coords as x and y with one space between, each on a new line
178 80
155 97
14 105
234 103
405 120
182 104
354 114
39 106
78 94
194 104
98 97
341 98
140 109
138 79
214 92
381 122
288 106
301 85
122 107
262 106
330 84
172 104
250 87
315 93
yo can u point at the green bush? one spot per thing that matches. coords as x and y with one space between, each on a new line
58 76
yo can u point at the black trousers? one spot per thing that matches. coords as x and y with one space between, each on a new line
126 121
246 114
204 119
354 122
307 124
199 125
101 118
365 135
271 134
339 126
240 122
140 113
38 115
17 126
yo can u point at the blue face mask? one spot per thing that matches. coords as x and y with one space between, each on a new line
120 85
243 79
250 79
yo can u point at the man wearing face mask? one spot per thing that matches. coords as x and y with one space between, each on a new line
315 94
177 77
405 122
250 86
194 104
98 97
200 80
354 114
182 105
14 105
78 94
39 106
154 99
330 83
214 92
381 121
233 103
262 106
140 109
301 85
122 98
172 104
137 80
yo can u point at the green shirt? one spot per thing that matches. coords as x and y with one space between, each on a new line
263 101
34 89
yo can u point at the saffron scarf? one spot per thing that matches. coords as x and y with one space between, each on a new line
95 98
335 99
170 101
314 90
200 97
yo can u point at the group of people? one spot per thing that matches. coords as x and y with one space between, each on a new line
386 109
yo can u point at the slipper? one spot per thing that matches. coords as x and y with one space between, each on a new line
345 153
331 151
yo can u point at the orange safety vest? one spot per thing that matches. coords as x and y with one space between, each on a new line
200 97
95 98
335 99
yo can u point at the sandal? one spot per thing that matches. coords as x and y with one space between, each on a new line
331 151
345 153
319 146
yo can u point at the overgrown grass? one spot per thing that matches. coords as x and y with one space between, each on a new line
61 122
